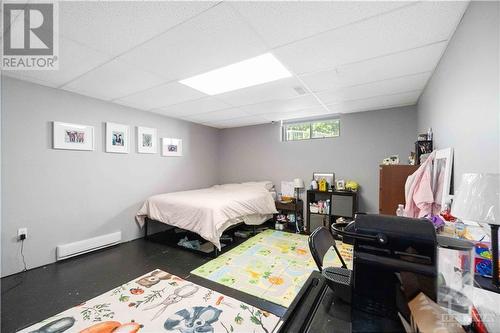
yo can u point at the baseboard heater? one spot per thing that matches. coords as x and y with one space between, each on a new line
87 245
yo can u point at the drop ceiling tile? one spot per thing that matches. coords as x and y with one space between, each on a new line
281 89
238 122
202 105
298 114
376 103
423 59
116 26
161 96
216 38
284 105
281 22
215 116
409 27
113 80
74 60
378 88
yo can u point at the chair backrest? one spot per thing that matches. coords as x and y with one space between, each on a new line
320 242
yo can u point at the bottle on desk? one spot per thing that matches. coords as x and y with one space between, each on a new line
401 210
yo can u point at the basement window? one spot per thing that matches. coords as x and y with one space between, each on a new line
317 129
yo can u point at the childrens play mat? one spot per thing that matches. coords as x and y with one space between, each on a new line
272 265
159 302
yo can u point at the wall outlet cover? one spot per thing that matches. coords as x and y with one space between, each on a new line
22 231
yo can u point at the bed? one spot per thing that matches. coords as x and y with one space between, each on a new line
210 211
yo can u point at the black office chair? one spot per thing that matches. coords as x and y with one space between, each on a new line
339 279
320 242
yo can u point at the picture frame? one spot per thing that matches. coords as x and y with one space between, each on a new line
171 147
69 136
117 138
147 141
442 173
340 185
394 159
329 177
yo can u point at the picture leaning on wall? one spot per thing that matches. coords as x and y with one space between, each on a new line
117 138
147 140
171 147
72 136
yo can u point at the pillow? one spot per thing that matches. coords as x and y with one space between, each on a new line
268 185
226 185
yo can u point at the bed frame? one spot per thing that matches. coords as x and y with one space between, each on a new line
215 253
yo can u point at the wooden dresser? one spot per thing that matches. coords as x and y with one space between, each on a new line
392 186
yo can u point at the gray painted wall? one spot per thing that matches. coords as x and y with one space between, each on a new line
63 196
256 153
461 100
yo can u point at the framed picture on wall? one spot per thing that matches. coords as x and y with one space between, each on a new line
117 138
329 177
72 136
146 140
171 147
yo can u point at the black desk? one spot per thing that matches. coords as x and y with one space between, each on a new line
485 283
314 311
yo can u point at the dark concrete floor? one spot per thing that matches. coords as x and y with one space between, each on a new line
37 294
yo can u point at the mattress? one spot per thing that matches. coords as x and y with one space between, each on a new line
210 211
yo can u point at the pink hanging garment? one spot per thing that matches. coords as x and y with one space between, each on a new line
419 194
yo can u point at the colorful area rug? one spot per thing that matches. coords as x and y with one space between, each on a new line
159 302
272 265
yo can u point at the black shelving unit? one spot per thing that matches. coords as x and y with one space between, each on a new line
342 204
295 208
422 147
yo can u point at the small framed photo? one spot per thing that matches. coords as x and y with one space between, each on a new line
329 177
72 136
146 140
171 147
117 138
340 185
394 159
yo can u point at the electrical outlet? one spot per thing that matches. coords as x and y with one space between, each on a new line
22 232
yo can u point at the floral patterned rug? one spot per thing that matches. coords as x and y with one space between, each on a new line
159 302
272 265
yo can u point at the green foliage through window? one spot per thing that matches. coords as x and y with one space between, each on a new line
312 130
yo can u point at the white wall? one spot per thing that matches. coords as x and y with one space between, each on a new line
65 196
256 153
461 100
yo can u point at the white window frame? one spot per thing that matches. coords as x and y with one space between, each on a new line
285 126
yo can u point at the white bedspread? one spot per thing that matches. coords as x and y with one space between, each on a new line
210 211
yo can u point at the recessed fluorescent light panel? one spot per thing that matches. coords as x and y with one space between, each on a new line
243 74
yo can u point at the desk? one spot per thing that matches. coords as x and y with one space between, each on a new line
313 310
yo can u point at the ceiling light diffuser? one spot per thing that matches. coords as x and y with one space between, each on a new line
243 74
